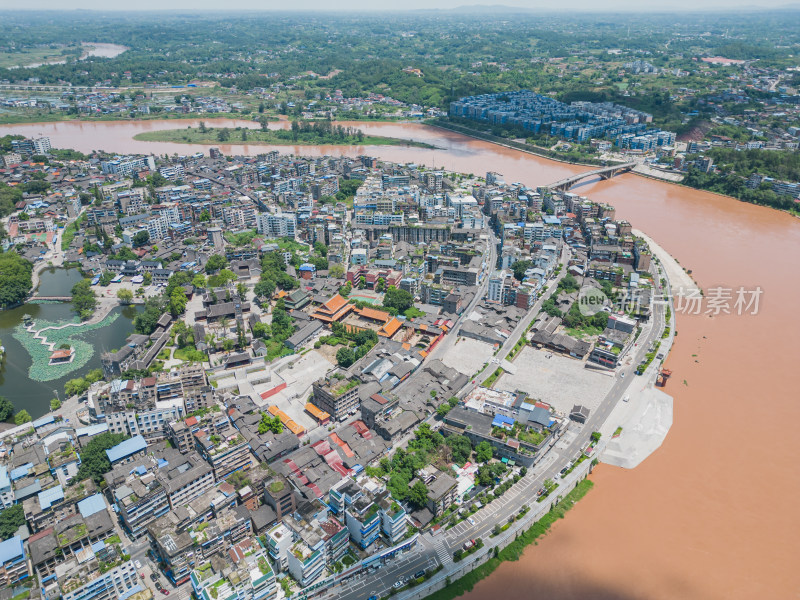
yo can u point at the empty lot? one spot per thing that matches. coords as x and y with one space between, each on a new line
558 380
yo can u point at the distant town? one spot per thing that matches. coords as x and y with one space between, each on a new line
325 376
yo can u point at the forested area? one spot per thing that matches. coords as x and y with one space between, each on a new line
15 279
457 54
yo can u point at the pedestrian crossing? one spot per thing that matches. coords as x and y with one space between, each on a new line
442 553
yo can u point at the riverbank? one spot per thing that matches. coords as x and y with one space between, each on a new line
679 278
527 148
514 550
271 137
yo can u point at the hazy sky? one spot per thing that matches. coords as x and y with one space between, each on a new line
215 5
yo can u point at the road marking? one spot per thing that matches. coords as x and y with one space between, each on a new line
441 552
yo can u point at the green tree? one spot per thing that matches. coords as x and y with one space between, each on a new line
125 295
11 519
55 404
177 302
483 452
6 408
261 330
402 300
22 417
140 238
519 269
204 216
15 279
83 299
418 495
199 281
461 448
147 320
269 423
345 357
215 263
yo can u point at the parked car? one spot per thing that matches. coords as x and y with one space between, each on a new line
154 576
138 564
165 592
398 584
419 574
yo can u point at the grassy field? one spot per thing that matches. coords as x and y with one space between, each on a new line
29 56
193 135
514 550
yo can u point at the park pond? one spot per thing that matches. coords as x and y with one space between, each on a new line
26 378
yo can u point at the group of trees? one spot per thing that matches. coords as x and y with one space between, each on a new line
360 343
273 276
15 279
146 321
446 407
83 299
488 473
733 184
94 461
403 466
9 196
11 519
400 300
79 385
269 423
7 411
319 132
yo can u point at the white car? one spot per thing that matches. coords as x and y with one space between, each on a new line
138 564
471 521
626 397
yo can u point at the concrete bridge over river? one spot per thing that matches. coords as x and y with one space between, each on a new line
605 173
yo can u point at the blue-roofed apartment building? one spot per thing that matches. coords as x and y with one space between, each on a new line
13 562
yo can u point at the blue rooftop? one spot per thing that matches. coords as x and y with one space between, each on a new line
21 471
502 421
128 593
5 481
11 550
91 505
46 420
28 491
50 496
92 430
126 448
